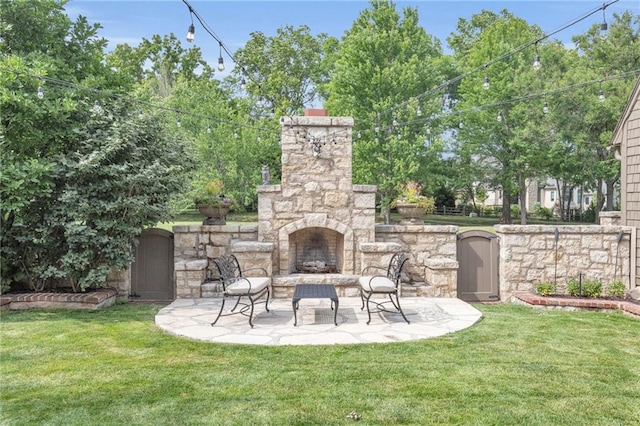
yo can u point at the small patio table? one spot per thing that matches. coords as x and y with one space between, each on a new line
315 291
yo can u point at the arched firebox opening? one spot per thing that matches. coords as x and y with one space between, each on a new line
316 250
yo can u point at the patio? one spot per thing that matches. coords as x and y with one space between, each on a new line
430 317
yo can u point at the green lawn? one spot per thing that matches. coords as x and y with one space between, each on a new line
517 366
464 222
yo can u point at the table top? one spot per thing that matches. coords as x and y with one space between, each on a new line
315 291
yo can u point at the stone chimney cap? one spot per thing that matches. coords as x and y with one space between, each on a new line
316 112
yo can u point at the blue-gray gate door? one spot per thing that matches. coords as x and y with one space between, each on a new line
152 270
478 266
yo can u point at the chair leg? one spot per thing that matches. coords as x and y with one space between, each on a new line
368 310
361 298
219 313
251 312
266 304
399 308
237 303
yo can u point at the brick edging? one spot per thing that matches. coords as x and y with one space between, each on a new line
92 300
536 300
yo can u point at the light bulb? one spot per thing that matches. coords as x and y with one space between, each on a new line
536 63
235 134
191 33
499 116
243 84
601 95
220 64
140 114
460 124
178 123
40 92
395 121
96 105
419 111
486 83
604 27
208 128
545 108
428 130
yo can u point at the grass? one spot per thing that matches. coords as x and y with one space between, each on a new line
516 366
464 222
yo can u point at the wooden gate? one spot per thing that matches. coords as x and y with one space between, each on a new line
152 270
478 266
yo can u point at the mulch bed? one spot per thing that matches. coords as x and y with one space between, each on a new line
626 305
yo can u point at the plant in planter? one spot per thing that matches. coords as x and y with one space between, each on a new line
411 204
213 204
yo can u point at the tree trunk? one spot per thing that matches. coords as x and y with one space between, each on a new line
610 200
506 208
523 201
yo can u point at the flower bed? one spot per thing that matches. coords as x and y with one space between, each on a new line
92 300
578 303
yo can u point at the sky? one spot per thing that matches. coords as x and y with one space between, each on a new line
129 21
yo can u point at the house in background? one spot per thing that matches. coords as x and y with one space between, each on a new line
625 143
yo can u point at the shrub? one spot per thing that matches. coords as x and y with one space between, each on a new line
546 289
542 212
616 289
573 287
592 288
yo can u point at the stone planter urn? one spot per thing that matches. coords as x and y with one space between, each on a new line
411 213
214 215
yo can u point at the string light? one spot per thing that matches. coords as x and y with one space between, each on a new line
604 26
140 115
192 30
220 60
601 93
40 93
499 116
208 128
545 108
485 85
460 124
419 111
243 84
178 122
96 105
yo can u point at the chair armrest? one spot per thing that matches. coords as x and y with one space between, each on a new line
255 269
374 267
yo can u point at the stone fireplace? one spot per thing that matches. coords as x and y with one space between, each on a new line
316 226
316 218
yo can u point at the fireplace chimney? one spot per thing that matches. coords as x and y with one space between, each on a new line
316 112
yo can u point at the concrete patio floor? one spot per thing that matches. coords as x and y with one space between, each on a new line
429 317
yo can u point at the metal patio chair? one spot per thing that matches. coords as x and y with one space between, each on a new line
387 285
236 285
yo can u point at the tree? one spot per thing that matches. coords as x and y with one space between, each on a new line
492 131
285 70
79 180
381 62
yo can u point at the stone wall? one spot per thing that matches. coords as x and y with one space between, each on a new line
529 255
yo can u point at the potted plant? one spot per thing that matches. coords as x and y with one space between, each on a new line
411 204
213 204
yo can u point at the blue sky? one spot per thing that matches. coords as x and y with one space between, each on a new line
128 21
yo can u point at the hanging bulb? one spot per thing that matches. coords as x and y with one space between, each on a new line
604 27
220 59
359 134
499 115
96 105
419 111
428 130
178 122
40 93
208 128
395 121
460 124
259 138
536 63
485 85
243 84
140 115
376 129
601 95
191 33
235 134
545 108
